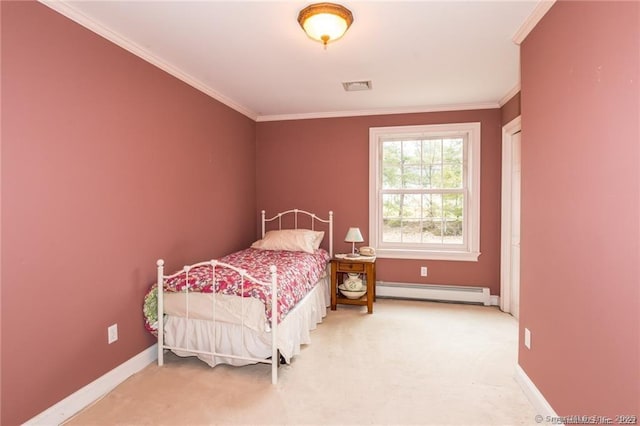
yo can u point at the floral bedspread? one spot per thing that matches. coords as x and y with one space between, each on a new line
297 274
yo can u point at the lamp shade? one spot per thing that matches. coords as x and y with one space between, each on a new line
325 22
354 236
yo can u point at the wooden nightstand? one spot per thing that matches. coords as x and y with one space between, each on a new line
340 267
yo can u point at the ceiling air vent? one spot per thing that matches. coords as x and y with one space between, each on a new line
352 86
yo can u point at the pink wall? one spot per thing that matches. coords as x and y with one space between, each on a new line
95 141
511 109
323 164
580 293
108 163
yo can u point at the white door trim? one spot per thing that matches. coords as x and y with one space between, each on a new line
508 130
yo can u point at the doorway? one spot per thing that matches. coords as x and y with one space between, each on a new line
510 218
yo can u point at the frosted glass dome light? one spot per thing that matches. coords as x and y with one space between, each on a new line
325 22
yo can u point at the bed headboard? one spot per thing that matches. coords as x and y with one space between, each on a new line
295 213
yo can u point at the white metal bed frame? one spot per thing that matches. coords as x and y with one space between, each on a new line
275 357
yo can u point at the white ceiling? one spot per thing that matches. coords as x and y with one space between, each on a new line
254 57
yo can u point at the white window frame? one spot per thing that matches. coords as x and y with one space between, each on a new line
471 226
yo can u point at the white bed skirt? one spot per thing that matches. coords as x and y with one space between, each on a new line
233 339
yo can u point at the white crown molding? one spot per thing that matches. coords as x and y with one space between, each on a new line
536 15
65 9
388 111
510 94
70 12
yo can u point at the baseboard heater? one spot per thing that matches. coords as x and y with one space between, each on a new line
448 293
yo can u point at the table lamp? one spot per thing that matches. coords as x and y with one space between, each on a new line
353 236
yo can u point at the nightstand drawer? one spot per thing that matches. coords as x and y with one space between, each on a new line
350 267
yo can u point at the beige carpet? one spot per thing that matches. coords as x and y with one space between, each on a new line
407 363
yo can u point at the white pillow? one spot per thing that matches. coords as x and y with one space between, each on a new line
304 240
319 235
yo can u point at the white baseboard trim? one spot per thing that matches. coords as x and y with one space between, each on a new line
540 404
65 409
448 293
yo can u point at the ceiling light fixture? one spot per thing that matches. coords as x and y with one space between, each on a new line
325 22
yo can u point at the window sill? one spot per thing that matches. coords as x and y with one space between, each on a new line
461 256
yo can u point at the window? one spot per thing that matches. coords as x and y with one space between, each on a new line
424 185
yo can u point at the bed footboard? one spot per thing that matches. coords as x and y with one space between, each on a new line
245 278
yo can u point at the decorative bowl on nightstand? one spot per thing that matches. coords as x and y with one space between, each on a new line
350 294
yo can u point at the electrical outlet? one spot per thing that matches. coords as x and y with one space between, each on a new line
527 338
423 271
112 333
